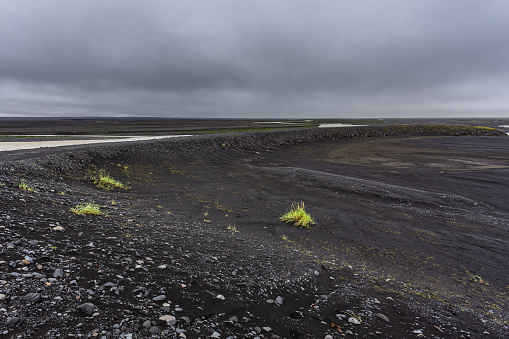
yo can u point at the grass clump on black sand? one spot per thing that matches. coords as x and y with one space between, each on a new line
106 182
298 216
87 209
25 187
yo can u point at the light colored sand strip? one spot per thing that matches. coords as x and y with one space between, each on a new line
338 125
13 146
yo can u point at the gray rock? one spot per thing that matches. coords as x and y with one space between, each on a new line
11 321
383 317
279 300
32 297
354 321
86 309
59 273
187 320
161 297
215 335
170 320
2 296
147 323
154 330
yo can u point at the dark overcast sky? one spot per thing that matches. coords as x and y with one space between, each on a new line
263 58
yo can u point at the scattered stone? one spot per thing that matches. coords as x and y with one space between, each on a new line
220 297
11 321
354 321
159 298
32 297
58 229
86 309
215 335
383 317
170 320
279 301
154 330
59 273
25 262
417 332
2 296
186 320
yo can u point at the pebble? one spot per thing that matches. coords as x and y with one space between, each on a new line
170 320
383 317
32 297
159 298
220 296
154 330
86 309
417 332
2 296
215 335
354 321
11 321
58 229
59 273
279 300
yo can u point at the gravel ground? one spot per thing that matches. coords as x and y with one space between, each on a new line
392 255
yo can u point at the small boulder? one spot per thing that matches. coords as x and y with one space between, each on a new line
86 309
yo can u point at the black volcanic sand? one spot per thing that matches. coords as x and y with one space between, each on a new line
411 227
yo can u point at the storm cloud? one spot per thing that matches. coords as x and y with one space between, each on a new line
254 58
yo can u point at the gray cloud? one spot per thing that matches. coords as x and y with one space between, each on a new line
258 58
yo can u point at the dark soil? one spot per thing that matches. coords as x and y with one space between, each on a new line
412 227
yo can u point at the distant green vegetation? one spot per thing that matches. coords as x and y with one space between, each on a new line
28 137
257 129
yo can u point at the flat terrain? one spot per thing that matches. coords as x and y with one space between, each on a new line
411 236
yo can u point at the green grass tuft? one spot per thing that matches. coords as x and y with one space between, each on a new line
24 186
477 278
298 216
106 182
87 209
233 228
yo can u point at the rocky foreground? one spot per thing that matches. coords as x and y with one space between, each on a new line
180 260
